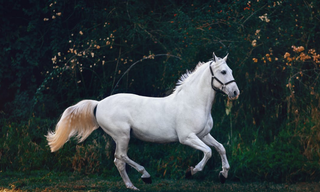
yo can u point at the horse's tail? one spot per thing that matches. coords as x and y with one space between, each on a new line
78 120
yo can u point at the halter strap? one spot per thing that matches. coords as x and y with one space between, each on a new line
215 78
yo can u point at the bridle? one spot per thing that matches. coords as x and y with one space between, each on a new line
223 84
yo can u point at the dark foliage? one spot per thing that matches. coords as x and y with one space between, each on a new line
56 53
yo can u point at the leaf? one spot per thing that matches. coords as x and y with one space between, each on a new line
228 107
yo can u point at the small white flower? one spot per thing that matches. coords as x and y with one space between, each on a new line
265 18
254 43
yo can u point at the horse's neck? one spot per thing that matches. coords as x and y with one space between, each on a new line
198 92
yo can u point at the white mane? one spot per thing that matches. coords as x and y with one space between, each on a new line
186 76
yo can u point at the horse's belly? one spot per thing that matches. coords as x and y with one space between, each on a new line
150 119
155 135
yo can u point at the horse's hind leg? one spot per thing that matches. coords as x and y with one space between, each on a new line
145 175
121 166
122 157
121 151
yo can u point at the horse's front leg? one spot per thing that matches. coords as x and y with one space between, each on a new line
209 140
193 141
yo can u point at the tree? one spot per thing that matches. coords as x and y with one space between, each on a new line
59 52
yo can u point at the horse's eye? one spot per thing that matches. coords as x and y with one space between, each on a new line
223 72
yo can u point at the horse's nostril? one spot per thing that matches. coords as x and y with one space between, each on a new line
235 93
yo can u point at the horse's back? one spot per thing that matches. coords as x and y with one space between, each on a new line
150 118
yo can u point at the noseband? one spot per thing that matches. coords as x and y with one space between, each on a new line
223 84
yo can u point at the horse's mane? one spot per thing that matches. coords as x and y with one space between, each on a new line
185 76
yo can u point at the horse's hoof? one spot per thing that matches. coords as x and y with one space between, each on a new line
133 188
147 180
222 178
188 173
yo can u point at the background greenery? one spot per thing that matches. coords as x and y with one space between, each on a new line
56 53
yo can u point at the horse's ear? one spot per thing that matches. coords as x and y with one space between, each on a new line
225 58
215 58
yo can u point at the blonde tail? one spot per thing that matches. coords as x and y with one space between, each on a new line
76 120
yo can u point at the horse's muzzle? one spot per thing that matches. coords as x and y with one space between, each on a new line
234 95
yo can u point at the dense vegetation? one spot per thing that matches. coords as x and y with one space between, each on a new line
58 52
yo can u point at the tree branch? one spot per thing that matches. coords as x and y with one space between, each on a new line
149 57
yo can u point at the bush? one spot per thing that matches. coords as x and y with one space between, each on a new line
66 51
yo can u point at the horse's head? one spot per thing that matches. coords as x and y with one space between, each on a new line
222 78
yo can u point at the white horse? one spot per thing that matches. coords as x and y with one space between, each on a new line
183 116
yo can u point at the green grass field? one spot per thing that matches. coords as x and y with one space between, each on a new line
53 181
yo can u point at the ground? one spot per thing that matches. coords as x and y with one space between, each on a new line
52 181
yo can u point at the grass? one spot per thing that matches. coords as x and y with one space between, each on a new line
53 181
